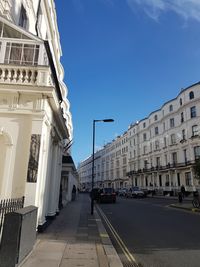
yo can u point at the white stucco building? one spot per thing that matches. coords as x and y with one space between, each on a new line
110 166
158 151
35 121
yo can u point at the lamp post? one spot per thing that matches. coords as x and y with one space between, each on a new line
93 145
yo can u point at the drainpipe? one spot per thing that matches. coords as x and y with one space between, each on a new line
37 18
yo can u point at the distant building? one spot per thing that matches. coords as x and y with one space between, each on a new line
160 150
35 122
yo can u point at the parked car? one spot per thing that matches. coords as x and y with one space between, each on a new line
135 192
122 192
107 195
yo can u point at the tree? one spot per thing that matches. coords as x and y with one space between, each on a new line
196 169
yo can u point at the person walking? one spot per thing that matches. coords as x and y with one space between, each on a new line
73 192
183 191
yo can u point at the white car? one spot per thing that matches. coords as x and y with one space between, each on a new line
122 192
136 192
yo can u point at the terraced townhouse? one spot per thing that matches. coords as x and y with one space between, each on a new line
35 121
155 153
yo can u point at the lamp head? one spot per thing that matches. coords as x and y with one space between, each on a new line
108 120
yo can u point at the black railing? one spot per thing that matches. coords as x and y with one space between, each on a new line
9 205
172 165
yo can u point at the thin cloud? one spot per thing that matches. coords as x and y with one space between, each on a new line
187 9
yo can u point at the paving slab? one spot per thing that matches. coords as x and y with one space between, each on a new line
79 263
74 239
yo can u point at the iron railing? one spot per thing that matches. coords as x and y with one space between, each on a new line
9 205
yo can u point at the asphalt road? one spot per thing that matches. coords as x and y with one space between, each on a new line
153 234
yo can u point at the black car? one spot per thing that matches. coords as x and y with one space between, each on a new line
107 195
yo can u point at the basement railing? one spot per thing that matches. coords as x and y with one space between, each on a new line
6 206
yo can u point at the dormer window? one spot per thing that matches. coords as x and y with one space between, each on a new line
191 95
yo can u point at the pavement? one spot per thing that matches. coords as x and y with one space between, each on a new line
186 203
74 238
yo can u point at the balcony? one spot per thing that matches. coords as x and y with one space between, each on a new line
25 75
23 57
195 136
169 166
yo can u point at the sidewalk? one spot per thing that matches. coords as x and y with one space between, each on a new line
186 204
75 238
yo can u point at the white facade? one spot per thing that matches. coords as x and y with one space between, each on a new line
110 166
35 122
161 149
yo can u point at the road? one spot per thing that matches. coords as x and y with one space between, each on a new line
152 234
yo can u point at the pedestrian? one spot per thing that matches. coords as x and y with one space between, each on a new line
73 192
183 191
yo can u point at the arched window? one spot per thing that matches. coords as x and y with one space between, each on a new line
155 117
191 95
171 108
181 102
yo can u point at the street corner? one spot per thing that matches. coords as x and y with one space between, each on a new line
184 206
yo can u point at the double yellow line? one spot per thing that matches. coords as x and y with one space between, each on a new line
121 244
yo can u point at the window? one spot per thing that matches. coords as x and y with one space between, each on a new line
23 19
165 141
155 117
185 155
171 108
188 178
180 101
166 160
21 54
144 137
193 112
145 164
163 126
144 125
156 130
183 134
174 158
124 160
182 117
167 180
156 144
197 152
173 139
191 95
171 122
157 161
194 130
144 149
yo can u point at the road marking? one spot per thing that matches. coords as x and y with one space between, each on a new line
123 247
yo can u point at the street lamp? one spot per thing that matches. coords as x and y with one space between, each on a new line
93 144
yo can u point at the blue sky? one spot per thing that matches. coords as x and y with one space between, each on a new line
123 59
